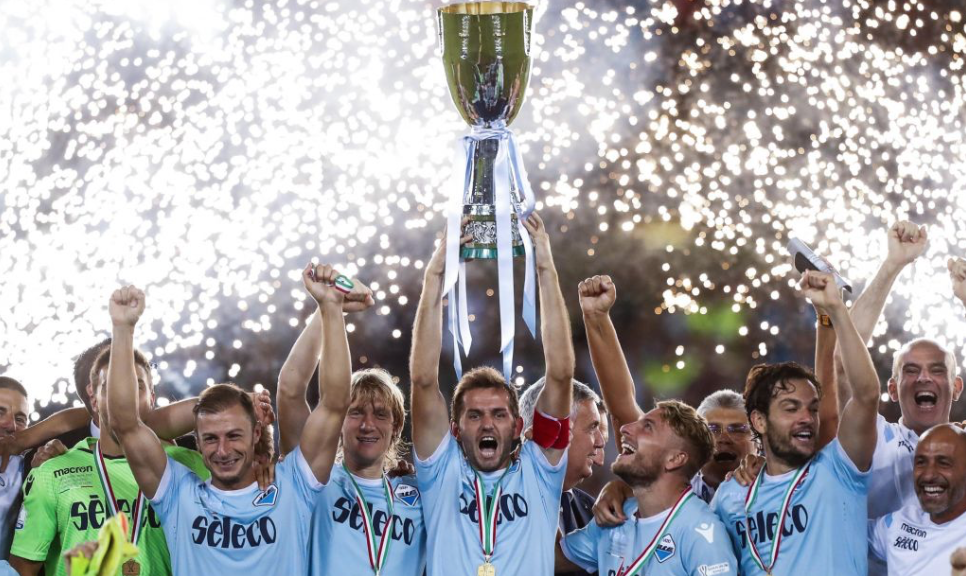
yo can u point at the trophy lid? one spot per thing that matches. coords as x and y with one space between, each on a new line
486 53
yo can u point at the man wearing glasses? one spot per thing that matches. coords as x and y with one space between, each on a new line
725 412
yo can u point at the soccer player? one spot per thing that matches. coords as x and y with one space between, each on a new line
490 509
587 441
361 510
68 498
670 531
228 523
807 507
920 538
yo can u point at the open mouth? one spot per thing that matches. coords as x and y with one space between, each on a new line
366 439
806 435
925 399
932 490
627 449
227 464
488 446
725 457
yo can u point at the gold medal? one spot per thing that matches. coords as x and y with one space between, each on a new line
486 569
131 568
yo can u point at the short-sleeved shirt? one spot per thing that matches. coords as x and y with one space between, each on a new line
911 543
891 483
825 528
64 505
695 543
10 481
526 523
233 532
338 541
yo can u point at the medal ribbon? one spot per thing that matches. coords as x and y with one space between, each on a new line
377 552
137 515
786 501
489 513
637 565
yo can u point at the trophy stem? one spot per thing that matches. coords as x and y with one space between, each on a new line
480 206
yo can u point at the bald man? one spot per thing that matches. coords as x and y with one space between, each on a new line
920 538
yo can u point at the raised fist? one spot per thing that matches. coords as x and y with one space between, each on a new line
906 242
126 307
957 273
320 283
820 288
597 295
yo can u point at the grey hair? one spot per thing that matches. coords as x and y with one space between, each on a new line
529 397
728 399
952 369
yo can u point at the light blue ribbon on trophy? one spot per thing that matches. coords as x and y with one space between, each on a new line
509 164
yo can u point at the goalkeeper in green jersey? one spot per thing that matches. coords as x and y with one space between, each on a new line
68 498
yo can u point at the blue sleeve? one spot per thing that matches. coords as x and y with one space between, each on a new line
430 472
709 549
296 468
176 476
580 546
551 477
834 457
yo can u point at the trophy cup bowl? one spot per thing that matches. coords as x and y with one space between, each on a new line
486 52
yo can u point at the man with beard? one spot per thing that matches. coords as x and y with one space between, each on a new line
228 524
490 510
807 507
587 441
670 530
361 510
723 409
920 538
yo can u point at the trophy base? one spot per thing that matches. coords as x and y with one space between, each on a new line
474 252
482 227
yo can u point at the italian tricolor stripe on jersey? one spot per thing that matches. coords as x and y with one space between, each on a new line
786 501
638 564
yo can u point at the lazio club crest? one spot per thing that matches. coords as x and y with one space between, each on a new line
408 495
267 497
665 549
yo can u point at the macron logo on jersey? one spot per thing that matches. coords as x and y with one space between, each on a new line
267 498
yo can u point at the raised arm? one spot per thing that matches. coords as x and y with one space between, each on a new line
556 398
430 418
143 450
324 424
828 408
597 297
37 435
300 365
906 242
857 430
293 380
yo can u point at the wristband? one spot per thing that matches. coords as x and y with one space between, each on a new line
563 437
549 432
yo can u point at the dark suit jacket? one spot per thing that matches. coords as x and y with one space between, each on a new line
576 511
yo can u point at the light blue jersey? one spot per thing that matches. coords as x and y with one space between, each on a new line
696 543
246 531
527 519
825 529
339 541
